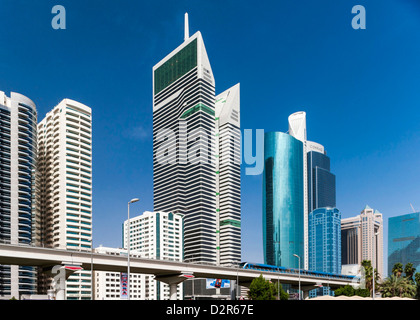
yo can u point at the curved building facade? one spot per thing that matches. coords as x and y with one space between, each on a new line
325 240
18 218
283 200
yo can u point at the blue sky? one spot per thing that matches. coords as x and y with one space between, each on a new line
359 88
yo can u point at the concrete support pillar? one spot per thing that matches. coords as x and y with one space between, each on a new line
173 280
60 274
306 289
172 291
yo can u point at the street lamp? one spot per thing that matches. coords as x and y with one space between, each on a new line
295 255
128 247
237 281
91 268
376 262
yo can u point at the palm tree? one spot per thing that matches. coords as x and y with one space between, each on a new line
369 271
409 271
397 270
394 286
417 278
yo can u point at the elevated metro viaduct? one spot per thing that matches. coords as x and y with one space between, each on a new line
170 272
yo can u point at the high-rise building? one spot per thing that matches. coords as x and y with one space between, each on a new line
324 244
65 165
189 176
404 240
156 235
319 182
184 175
109 285
283 200
297 129
362 239
18 214
317 186
228 176
325 240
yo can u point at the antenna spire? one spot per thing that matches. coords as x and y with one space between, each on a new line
186 27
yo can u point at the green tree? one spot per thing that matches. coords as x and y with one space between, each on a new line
417 279
397 269
347 290
262 289
362 292
283 295
369 271
395 286
409 271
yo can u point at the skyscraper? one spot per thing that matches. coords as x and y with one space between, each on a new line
318 183
196 171
404 240
65 164
362 239
324 252
184 175
283 200
321 182
325 240
18 215
191 173
297 129
228 176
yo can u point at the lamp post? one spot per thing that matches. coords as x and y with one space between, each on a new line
91 268
376 262
128 247
295 255
237 280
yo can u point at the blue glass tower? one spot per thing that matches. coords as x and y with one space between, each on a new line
404 240
283 200
324 244
325 240
321 182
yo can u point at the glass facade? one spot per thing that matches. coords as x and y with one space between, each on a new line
325 240
404 240
321 182
178 65
283 201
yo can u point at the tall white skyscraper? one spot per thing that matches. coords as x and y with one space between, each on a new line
297 129
18 206
156 235
188 129
184 178
65 165
187 175
228 176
